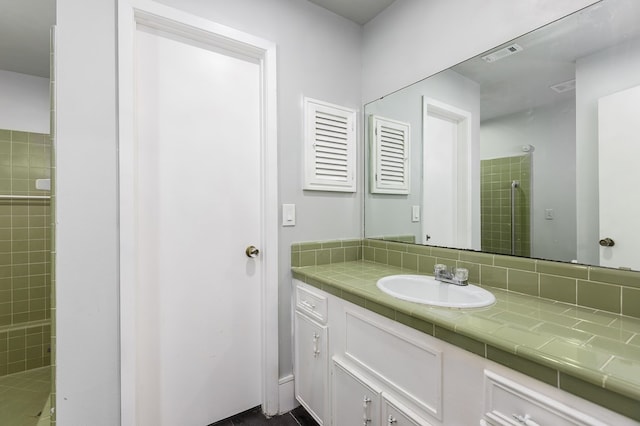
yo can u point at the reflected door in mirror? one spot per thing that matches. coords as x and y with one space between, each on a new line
619 176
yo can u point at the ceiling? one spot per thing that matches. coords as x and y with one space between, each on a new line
24 29
24 35
359 11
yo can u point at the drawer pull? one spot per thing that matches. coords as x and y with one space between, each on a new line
391 420
365 416
525 420
308 304
316 350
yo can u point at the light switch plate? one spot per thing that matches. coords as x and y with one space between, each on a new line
415 213
288 215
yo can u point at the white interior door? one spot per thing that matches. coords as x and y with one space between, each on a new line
446 175
440 180
619 174
198 195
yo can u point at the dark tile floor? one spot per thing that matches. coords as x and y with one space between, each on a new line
254 417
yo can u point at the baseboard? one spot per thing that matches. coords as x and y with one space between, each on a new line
287 394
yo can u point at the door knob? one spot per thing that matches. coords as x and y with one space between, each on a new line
607 242
251 251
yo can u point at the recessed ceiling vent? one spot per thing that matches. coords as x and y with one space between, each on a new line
565 86
503 53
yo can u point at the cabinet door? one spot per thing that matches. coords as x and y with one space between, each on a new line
355 401
394 414
311 365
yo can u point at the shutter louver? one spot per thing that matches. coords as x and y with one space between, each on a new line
329 147
390 156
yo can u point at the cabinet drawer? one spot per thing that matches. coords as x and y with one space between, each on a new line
315 305
508 403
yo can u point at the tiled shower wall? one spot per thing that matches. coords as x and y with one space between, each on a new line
496 176
24 252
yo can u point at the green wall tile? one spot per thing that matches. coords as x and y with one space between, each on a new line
480 258
369 253
394 258
351 243
352 253
631 302
493 276
615 276
445 253
540 372
410 261
331 244
613 401
562 269
337 255
310 246
599 296
522 282
307 258
396 246
381 255
378 244
419 249
558 288
515 262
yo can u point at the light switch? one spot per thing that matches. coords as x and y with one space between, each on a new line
548 214
415 213
288 215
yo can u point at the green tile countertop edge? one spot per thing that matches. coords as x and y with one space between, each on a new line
545 339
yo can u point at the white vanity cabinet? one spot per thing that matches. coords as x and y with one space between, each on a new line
311 353
374 371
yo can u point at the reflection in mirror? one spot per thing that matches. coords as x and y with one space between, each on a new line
529 149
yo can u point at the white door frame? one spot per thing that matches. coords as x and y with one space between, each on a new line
463 159
131 13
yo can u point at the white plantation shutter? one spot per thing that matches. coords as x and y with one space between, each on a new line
330 145
390 149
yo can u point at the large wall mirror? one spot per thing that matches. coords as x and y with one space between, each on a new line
530 149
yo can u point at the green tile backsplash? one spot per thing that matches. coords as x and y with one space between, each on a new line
610 290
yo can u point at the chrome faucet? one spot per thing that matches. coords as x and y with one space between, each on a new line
457 276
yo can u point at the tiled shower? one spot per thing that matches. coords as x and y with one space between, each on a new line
496 178
25 244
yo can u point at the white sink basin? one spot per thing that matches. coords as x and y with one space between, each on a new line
424 289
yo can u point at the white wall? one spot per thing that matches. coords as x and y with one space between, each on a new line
391 214
551 130
87 351
24 103
413 39
598 75
318 56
